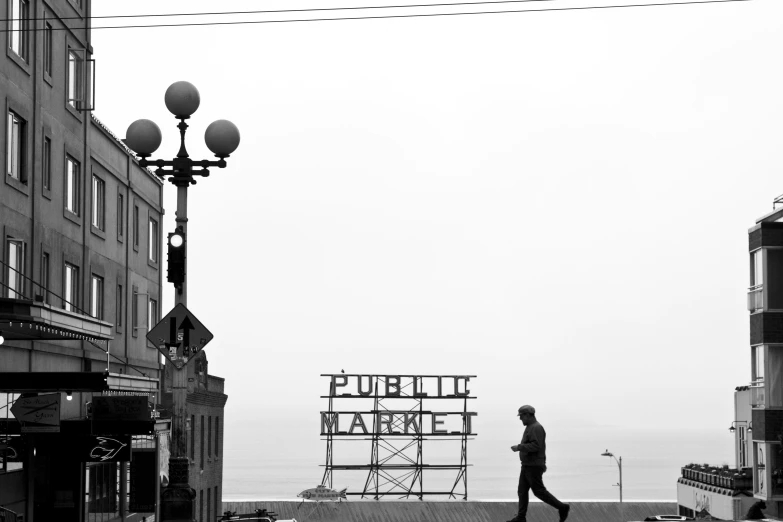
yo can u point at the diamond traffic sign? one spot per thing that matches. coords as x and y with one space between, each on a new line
179 336
39 413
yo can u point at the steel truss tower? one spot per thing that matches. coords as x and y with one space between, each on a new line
396 439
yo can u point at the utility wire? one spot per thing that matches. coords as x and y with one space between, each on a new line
381 17
278 11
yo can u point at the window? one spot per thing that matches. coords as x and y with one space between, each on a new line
757 376
217 437
743 447
120 215
209 502
17 34
153 241
152 319
15 140
46 161
201 505
45 277
75 78
209 438
192 448
217 513
71 185
202 442
118 319
71 287
136 226
96 298
98 202
47 60
15 263
135 312
759 485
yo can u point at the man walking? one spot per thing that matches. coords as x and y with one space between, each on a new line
532 454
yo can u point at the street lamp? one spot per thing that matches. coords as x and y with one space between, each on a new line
607 453
144 137
746 423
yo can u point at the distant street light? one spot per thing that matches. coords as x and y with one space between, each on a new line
607 453
735 423
144 137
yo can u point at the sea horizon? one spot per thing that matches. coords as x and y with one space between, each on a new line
576 471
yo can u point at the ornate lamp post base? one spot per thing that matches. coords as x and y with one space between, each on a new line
178 499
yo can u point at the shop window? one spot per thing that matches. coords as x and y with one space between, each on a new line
12 448
102 491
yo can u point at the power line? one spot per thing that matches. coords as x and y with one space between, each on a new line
381 17
278 11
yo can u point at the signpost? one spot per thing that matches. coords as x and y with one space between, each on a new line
38 414
179 336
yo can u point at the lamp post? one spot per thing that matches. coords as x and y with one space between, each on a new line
144 137
740 441
735 423
607 453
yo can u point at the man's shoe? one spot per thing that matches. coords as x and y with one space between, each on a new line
564 512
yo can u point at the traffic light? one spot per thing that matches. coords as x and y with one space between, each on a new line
176 268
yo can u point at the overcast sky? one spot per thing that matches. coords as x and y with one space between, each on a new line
556 202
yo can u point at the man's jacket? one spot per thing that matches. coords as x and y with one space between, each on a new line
532 449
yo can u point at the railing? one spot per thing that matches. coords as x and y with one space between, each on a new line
6 515
720 477
755 298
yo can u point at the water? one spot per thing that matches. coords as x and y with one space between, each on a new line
286 464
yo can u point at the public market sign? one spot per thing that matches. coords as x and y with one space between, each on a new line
399 420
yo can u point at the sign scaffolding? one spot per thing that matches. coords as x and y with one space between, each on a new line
390 415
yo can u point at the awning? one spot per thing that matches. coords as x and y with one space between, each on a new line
43 382
25 320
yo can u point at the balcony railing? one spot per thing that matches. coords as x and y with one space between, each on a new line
722 477
755 298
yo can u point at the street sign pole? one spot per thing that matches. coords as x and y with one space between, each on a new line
178 499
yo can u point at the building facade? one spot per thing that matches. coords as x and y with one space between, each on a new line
80 283
206 401
758 407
